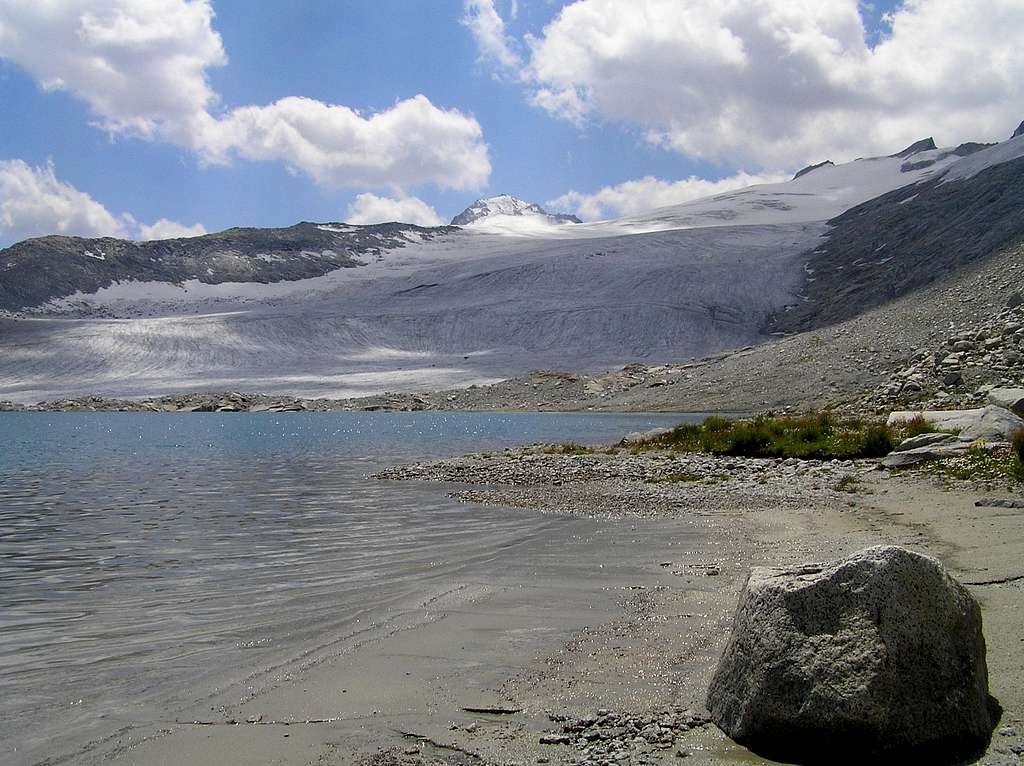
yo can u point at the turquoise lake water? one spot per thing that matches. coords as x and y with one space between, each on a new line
144 556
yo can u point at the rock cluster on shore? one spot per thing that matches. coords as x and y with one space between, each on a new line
612 738
955 432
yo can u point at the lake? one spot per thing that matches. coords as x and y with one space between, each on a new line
147 560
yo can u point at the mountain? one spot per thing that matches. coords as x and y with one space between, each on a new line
331 309
504 206
46 268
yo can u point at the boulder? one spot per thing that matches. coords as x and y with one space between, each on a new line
908 457
991 423
640 437
925 440
876 656
1011 399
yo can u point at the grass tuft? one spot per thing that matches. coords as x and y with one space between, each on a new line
849 484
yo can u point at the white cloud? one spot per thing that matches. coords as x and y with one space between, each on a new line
644 194
142 67
783 82
34 203
488 28
139 64
369 208
412 143
167 229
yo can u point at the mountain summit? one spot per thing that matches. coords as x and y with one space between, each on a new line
507 205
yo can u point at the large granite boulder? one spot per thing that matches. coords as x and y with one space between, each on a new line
1008 398
992 423
878 656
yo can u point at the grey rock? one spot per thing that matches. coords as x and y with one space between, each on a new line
637 437
1011 399
991 423
879 653
1014 300
955 378
925 440
999 502
911 457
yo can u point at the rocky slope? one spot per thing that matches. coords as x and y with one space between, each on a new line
906 239
39 270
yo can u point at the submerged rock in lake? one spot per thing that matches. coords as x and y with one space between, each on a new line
879 655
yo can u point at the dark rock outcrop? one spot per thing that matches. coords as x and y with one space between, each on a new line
875 658
811 168
906 239
924 145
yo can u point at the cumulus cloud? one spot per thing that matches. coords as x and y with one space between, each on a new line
488 28
412 143
647 193
34 203
167 229
779 83
369 208
142 67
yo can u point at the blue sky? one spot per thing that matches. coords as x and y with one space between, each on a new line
628 99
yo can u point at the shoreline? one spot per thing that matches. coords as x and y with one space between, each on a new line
627 687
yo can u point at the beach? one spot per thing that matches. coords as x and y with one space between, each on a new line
601 652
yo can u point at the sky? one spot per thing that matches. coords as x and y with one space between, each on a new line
156 118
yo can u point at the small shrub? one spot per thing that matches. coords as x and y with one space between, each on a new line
877 442
916 426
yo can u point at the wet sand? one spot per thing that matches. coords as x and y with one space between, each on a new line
629 621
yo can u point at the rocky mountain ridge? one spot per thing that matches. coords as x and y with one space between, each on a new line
39 270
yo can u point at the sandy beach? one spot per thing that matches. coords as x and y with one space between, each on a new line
599 650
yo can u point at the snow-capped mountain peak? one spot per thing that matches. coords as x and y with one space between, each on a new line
505 205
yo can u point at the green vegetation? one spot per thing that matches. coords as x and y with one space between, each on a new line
980 463
814 437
